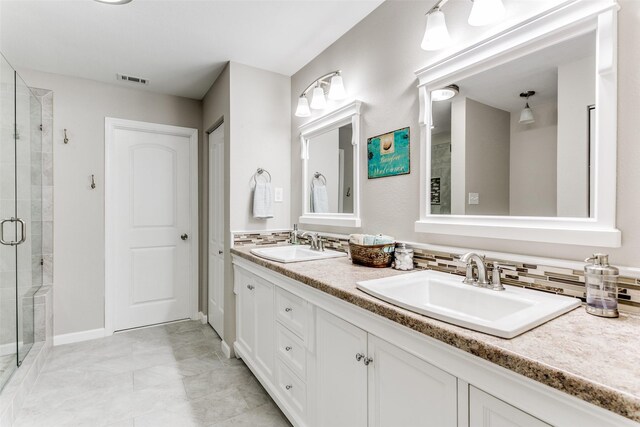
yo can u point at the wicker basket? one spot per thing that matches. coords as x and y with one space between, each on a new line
372 255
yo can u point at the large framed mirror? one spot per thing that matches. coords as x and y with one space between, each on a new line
330 168
519 132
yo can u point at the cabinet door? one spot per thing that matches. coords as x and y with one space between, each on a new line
488 411
264 327
245 285
405 391
341 392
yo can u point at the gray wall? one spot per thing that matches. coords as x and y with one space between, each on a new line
487 134
378 58
533 163
254 105
80 106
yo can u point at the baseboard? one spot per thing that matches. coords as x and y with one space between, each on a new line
91 334
201 317
226 350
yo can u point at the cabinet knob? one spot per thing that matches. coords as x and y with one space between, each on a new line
367 361
288 386
359 356
287 348
251 287
288 309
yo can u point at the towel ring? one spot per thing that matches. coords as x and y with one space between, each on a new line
318 177
260 172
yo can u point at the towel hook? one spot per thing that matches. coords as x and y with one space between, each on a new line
66 139
259 172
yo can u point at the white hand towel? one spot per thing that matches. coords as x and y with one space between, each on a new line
262 200
320 199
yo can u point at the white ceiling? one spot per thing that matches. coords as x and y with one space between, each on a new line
179 45
500 87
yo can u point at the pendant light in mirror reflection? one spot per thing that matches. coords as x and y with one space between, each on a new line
436 33
444 93
328 86
526 115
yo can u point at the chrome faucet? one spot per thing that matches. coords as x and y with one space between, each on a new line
317 244
293 236
482 279
496 282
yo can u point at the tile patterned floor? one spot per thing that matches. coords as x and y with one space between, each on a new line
169 375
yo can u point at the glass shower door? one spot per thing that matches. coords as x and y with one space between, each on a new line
8 306
29 211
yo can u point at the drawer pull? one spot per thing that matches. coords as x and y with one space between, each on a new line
359 356
288 309
288 386
367 361
287 348
251 287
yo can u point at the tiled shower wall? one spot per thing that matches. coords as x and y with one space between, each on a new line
563 281
43 258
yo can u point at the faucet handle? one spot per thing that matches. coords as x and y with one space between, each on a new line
496 281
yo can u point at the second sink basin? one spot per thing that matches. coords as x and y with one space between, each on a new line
443 296
297 253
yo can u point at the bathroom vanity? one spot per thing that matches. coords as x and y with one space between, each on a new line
332 355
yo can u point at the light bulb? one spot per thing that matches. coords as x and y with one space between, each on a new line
303 107
486 12
436 34
318 101
337 91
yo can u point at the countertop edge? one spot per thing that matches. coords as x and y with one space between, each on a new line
603 396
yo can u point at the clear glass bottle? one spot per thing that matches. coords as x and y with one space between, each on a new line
403 257
601 281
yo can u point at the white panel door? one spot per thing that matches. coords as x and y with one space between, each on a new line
151 200
488 411
215 308
341 392
405 391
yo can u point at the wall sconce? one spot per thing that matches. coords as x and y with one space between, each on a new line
526 115
436 34
330 84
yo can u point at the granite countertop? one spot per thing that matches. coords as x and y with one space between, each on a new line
592 358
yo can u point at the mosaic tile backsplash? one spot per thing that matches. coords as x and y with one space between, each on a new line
543 278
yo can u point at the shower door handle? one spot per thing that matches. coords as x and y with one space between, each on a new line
23 233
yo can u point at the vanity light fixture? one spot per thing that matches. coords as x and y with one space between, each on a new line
436 34
114 1
445 93
330 84
526 115
486 12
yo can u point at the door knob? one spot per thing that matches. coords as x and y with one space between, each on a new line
184 236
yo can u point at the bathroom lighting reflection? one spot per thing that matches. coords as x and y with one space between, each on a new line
444 93
486 12
114 1
436 34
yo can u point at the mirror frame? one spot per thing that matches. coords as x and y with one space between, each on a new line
348 114
560 23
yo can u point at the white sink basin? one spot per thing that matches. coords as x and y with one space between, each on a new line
444 297
294 253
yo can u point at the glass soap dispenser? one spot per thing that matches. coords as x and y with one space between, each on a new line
601 281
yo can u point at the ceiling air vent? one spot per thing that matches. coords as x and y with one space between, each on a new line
132 79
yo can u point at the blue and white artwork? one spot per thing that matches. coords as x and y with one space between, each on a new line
388 154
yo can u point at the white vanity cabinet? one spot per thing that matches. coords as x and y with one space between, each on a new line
367 381
255 320
329 363
487 411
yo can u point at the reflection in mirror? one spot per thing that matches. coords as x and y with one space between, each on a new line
330 169
516 139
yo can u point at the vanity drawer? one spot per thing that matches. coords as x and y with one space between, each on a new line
292 389
291 350
292 312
